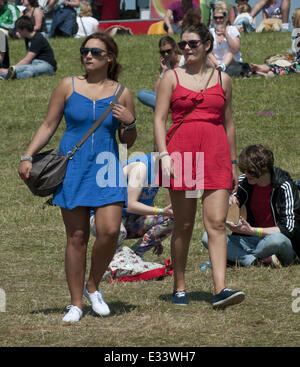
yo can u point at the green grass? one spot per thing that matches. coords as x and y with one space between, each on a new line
33 239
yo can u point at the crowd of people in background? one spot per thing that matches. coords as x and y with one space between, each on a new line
194 84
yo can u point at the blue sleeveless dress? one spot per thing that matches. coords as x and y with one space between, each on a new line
94 176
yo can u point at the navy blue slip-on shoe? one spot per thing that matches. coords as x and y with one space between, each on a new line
180 298
228 297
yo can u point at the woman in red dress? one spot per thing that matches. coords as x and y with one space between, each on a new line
197 155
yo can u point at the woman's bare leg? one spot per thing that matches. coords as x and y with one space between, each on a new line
263 68
184 217
107 221
215 208
78 230
227 59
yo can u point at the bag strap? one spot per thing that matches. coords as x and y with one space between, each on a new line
85 32
195 105
98 122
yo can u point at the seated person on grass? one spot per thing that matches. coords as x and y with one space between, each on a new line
284 6
64 22
291 63
170 58
141 220
39 58
271 234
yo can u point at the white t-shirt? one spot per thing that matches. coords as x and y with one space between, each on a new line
220 49
90 26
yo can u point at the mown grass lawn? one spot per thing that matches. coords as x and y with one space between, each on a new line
32 239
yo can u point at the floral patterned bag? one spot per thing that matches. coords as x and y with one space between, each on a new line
126 266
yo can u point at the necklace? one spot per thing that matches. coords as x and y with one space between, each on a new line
199 78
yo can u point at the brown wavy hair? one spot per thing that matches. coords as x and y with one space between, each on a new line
256 160
114 68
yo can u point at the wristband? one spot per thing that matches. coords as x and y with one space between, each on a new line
129 126
159 211
25 158
234 161
161 75
164 154
259 231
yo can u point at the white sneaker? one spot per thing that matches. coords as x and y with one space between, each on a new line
275 262
98 304
11 73
73 315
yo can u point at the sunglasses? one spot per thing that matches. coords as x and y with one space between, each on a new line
220 17
191 43
252 173
96 52
163 52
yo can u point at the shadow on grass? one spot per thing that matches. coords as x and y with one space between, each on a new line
193 296
116 308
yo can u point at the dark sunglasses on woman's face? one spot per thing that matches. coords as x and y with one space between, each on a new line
191 43
219 18
163 52
96 52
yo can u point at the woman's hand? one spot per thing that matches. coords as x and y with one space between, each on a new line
24 170
233 200
122 114
164 65
167 166
168 211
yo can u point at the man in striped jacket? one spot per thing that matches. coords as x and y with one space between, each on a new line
271 233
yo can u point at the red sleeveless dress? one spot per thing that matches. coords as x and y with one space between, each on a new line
199 148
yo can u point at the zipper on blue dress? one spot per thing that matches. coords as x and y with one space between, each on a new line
94 103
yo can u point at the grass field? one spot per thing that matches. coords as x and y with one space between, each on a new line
33 239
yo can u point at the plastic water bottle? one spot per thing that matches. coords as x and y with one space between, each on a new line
205 266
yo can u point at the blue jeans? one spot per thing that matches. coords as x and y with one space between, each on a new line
63 21
247 249
36 68
147 97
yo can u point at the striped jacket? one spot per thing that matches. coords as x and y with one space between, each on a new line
284 201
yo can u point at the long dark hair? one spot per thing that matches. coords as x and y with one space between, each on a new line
114 68
167 40
186 5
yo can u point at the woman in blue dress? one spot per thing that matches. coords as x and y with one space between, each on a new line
94 168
